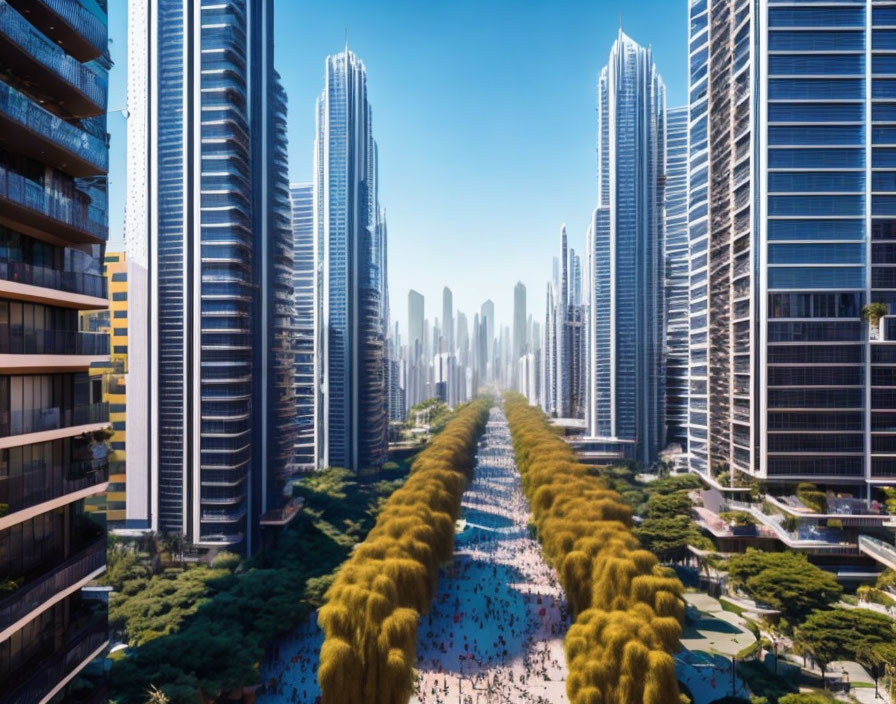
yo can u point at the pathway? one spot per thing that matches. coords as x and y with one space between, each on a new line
495 631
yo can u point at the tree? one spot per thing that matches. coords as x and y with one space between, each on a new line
671 505
668 538
873 312
807 698
843 634
784 580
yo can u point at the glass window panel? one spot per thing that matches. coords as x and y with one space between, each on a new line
816 253
820 277
802 65
816 229
816 158
816 88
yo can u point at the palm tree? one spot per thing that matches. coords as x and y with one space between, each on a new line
154 695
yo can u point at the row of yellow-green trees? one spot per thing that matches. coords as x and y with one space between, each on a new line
627 610
372 609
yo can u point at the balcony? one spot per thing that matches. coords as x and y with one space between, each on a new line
83 642
35 60
883 552
49 213
69 23
38 420
73 282
52 581
29 129
43 482
55 342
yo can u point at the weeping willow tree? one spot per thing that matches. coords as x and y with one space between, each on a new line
373 607
627 611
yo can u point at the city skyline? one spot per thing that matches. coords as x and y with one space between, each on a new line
562 138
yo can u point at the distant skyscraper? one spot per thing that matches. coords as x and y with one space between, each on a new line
416 369
350 295
676 277
220 261
519 330
625 255
302 198
447 321
487 318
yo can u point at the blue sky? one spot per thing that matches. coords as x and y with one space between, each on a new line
484 111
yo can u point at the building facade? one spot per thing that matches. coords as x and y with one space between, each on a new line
210 133
676 276
302 200
53 422
350 295
112 376
625 256
792 134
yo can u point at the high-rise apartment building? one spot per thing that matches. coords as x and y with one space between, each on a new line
676 276
53 424
301 197
792 229
416 378
213 217
625 371
350 345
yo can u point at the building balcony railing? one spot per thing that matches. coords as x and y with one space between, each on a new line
69 216
56 579
57 342
68 281
81 642
36 420
91 86
223 516
883 552
42 482
44 136
70 23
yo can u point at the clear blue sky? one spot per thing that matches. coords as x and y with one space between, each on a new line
484 111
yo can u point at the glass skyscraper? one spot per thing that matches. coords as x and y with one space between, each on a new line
625 371
676 275
350 344
219 248
792 114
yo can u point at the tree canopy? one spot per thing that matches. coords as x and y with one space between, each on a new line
844 634
627 610
784 580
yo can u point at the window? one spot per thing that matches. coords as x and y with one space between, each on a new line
818 277
120 296
120 276
821 135
816 254
816 88
816 17
825 182
829 112
783 40
802 65
816 205
816 158
816 229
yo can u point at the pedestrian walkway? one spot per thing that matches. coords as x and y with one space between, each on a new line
495 631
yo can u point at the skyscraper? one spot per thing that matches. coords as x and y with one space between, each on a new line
519 330
487 318
447 321
220 259
350 343
416 369
53 229
676 275
303 292
625 255
792 223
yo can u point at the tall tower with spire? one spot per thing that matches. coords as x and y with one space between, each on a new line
624 278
